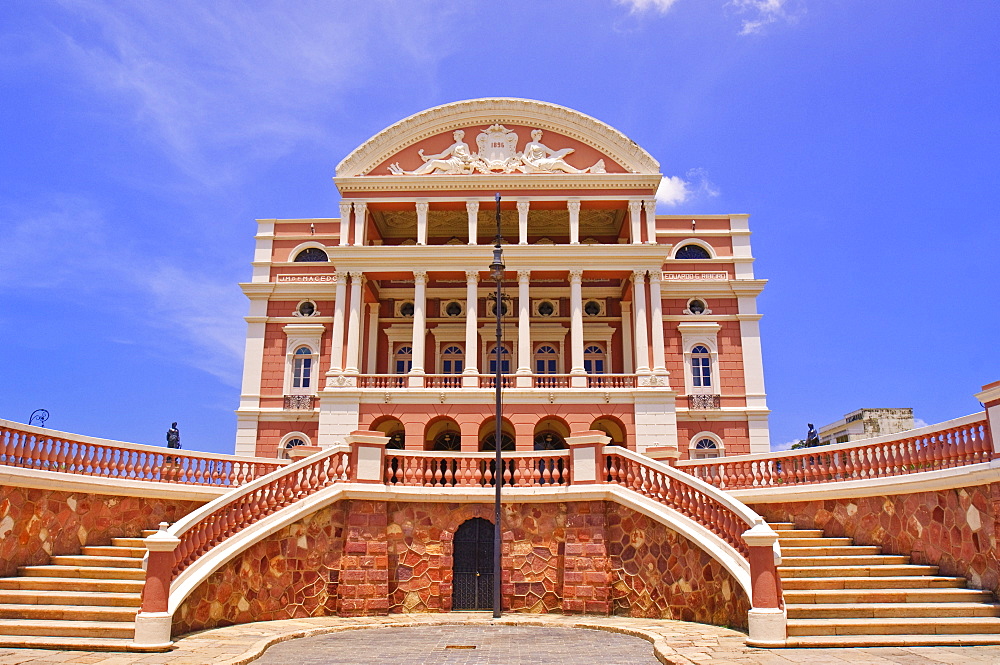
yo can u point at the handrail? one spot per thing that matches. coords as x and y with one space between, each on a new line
953 443
456 469
226 516
485 381
43 449
713 509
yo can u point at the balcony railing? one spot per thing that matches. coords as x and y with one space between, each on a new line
701 402
453 469
299 402
488 381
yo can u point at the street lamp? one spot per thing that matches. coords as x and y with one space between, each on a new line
496 272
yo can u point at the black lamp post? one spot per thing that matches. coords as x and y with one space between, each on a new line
496 272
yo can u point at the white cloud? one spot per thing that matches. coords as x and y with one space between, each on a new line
761 13
787 445
674 190
919 422
639 6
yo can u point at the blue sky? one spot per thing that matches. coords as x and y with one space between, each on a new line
141 140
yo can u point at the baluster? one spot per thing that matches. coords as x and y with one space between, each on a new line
487 473
506 474
478 477
741 478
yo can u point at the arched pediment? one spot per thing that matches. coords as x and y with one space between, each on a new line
589 144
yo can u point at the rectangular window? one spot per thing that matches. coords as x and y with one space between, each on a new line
701 372
302 373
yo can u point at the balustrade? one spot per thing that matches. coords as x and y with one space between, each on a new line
488 381
532 469
47 450
954 443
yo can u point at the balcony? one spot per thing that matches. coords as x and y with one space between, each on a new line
703 402
488 381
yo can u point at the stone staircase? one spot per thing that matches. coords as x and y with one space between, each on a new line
81 601
838 594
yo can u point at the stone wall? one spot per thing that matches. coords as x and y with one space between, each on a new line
37 523
955 529
370 557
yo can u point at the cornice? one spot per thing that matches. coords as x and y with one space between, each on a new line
491 183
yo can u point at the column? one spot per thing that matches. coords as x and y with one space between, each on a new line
360 217
354 325
371 362
576 329
522 221
627 354
345 221
641 338
337 340
419 328
574 221
650 205
656 314
422 207
635 211
471 371
472 208
523 329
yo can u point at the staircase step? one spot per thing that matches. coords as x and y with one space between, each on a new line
97 561
831 550
83 572
887 596
781 526
67 612
70 643
867 560
60 628
799 533
815 542
890 610
129 542
115 551
899 582
69 584
146 533
895 626
69 597
847 641
787 571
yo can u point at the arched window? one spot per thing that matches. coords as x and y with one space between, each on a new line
593 359
448 440
293 442
302 367
506 442
312 254
404 359
705 448
701 367
452 360
545 360
549 441
397 440
504 359
692 252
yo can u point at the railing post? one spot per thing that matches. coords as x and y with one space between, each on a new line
666 454
367 456
152 623
585 461
990 399
767 613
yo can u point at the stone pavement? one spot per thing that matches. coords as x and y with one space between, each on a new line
673 643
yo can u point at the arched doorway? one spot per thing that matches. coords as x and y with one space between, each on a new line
472 585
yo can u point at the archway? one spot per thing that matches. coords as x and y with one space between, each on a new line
393 429
443 434
612 427
472 582
487 435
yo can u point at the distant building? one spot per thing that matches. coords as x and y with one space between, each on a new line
866 424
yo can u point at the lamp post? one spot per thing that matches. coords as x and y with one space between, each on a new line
496 272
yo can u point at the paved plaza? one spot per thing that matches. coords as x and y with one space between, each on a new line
416 639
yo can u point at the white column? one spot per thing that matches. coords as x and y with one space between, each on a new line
627 354
471 330
523 329
656 314
345 221
522 221
472 207
337 340
354 325
635 211
422 207
650 205
419 328
641 338
360 217
576 329
371 361
753 373
574 221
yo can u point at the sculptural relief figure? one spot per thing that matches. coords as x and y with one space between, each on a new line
456 159
539 158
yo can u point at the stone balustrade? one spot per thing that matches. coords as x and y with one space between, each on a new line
43 449
488 381
455 469
954 443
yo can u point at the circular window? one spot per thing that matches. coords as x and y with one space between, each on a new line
454 308
592 308
696 307
307 308
546 308
406 309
